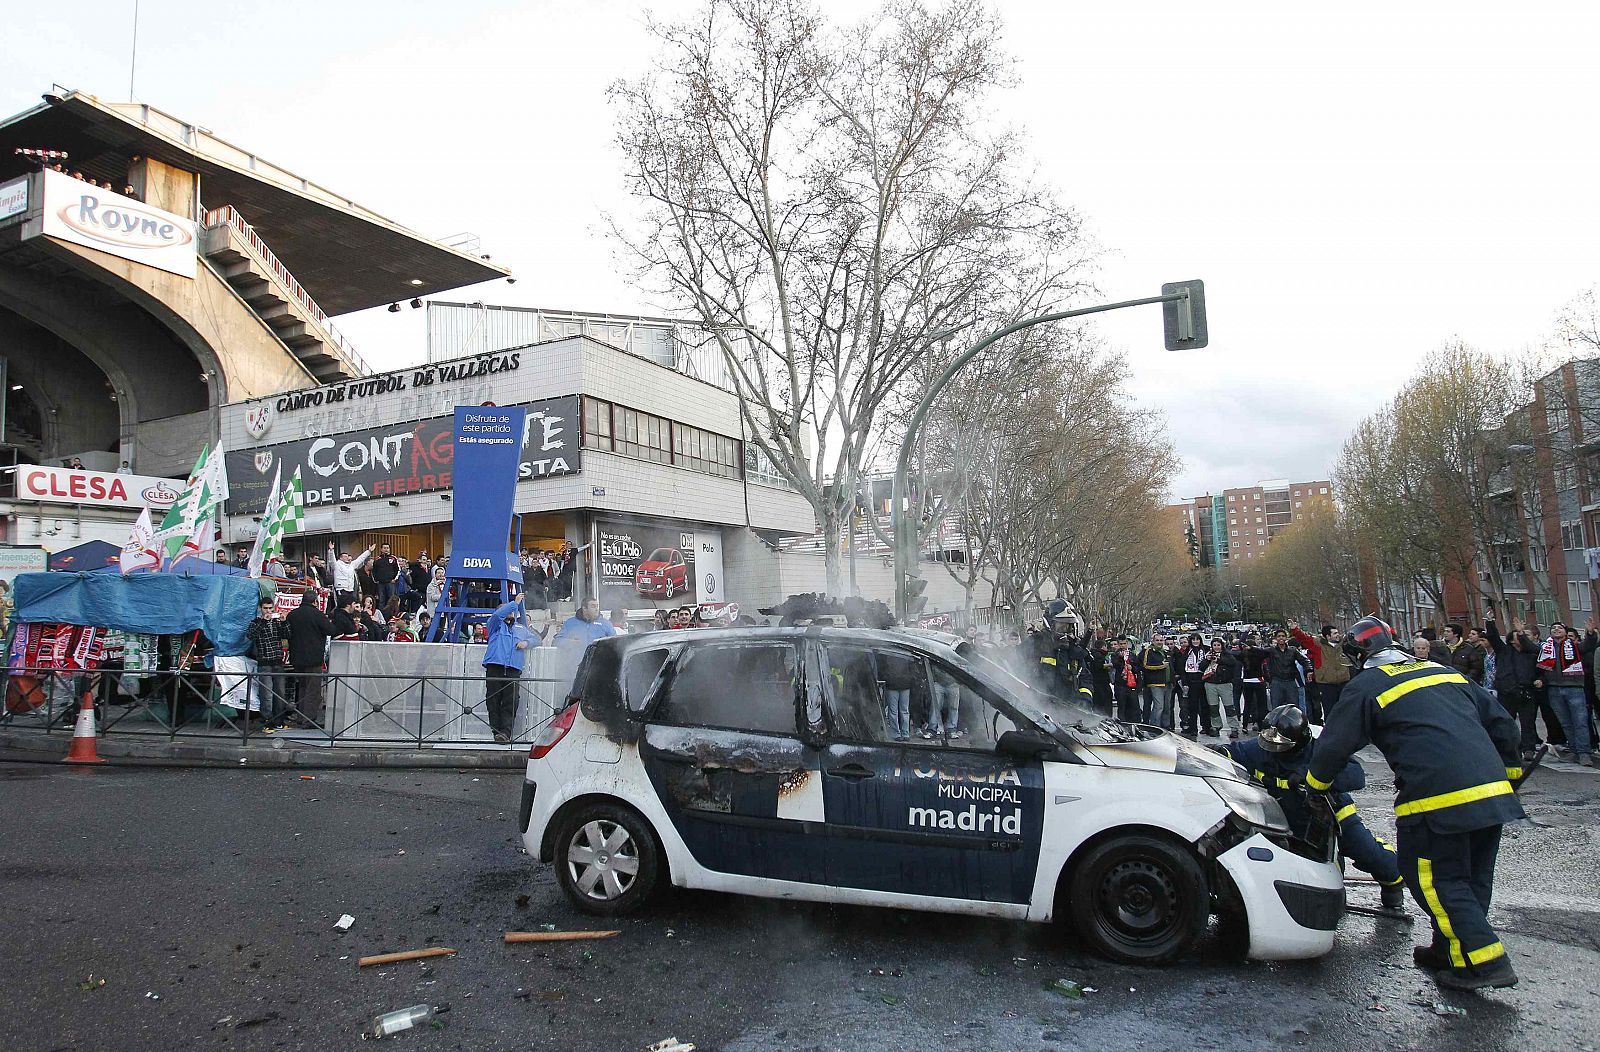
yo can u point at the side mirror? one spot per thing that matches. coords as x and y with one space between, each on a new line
1026 745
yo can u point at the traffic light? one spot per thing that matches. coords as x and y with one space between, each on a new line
916 602
1184 320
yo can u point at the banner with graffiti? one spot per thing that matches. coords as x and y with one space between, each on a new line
393 461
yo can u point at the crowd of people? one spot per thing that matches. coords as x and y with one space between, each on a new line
1224 686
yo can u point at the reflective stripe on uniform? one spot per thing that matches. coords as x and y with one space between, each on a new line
1344 812
1488 953
1261 776
1317 783
1395 693
1284 783
1513 773
1047 661
1410 666
1455 799
1430 899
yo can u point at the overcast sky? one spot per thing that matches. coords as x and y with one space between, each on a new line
1356 185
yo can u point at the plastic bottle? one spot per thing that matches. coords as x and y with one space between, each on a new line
406 1018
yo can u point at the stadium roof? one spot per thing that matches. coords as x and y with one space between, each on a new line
347 257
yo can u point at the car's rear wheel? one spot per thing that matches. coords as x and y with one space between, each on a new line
606 859
1139 899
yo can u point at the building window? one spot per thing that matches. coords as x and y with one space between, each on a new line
658 440
1579 597
1572 535
1259 531
1297 504
1324 489
1230 497
705 451
596 424
1235 533
1538 559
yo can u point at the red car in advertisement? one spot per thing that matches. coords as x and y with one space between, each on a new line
663 573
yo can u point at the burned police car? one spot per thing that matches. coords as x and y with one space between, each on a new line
772 762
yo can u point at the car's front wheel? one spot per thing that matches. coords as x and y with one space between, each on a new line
1139 899
606 860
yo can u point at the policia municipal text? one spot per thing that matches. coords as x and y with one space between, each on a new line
1453 749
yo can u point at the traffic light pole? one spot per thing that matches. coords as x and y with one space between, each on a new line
905 526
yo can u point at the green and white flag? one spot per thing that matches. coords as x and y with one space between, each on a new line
268 537
283 515
203 493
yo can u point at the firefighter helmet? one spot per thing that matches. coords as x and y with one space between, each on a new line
1368 636
1285 729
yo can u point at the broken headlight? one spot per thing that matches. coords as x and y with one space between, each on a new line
1251 803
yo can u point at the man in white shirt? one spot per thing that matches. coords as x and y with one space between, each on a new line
344 571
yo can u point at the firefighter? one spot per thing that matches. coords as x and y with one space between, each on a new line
1279 757
1454 754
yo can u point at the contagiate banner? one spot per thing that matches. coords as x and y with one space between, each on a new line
398 459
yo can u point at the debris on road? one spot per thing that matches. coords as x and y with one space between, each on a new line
670 1044
556 936
1440 1008
344 922
522 901
406 1018
308 777
891 1000
405 955
91 983
152 995
1067 988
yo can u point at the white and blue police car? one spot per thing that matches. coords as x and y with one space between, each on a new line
767 762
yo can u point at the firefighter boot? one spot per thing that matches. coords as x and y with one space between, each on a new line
1496 973
1430 958
1393 897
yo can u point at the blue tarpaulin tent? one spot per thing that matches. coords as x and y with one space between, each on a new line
90 555
154 603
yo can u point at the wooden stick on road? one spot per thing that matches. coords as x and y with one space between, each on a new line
407 955
557 936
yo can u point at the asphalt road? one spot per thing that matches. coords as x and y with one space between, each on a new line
206 899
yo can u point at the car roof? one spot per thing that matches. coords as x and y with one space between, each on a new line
938 643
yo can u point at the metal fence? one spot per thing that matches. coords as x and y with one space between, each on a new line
330 709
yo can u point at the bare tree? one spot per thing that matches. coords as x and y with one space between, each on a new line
827 202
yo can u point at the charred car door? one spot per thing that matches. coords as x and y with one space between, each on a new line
723 754
944 816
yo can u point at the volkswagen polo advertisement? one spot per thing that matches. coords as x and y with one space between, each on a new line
660 567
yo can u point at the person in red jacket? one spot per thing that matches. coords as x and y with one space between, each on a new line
1309 643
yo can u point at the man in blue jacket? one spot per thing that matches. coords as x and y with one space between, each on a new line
509 640
1279 758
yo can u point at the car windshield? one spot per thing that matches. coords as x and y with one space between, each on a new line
660 555
1039 706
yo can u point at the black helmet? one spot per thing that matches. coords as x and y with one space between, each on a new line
1285 729
1368 636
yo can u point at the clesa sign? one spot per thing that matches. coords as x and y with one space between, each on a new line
86 215
98 488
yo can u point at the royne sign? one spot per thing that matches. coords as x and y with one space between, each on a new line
84 214
99 488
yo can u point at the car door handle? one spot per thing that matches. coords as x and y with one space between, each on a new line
850 770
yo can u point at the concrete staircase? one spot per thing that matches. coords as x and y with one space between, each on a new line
247 264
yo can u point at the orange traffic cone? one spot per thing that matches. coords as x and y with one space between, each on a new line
83 736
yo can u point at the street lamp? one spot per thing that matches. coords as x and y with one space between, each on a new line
1184 324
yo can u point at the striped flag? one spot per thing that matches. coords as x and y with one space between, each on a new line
267 537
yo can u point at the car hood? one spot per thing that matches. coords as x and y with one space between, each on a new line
1136 746
653 567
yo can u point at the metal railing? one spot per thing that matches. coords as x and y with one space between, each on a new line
281 708
229 216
